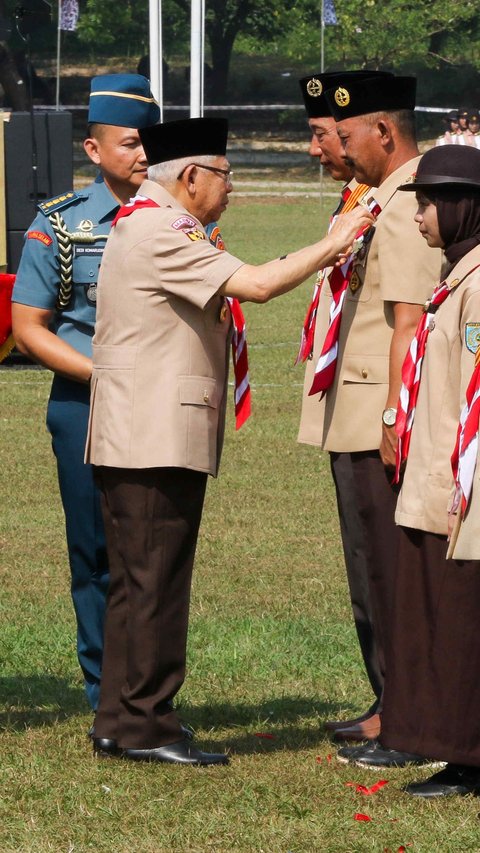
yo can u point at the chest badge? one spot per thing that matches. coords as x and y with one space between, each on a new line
354 282
86 225
92 293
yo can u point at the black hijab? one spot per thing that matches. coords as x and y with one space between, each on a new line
458 211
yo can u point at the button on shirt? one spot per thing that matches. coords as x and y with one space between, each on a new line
38 277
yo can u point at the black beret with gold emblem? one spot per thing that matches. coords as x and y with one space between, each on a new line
315 85
371 95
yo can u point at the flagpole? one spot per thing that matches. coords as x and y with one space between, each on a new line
197 58
59 33
155 52
322 68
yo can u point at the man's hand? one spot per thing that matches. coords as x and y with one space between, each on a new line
388 446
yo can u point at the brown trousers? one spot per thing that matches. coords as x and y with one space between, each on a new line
152 517
376 499
432 686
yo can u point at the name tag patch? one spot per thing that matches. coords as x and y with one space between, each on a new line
82 251
39 235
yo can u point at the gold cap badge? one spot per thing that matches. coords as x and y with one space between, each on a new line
314 88
342 97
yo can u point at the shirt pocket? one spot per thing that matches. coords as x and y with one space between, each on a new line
366 370
199 400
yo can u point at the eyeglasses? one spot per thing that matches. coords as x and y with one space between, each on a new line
226 173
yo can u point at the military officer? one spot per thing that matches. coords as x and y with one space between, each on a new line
54 306
325 144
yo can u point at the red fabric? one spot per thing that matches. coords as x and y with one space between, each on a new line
6 287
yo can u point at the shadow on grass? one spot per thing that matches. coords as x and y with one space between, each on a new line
278 723
30 701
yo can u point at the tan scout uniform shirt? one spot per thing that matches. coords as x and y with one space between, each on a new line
398 267
447 368
160 350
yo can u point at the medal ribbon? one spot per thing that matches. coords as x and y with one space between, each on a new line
464 457
349 200
339 281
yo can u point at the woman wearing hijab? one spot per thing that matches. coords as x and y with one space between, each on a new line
432 691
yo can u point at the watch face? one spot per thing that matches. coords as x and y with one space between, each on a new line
389 417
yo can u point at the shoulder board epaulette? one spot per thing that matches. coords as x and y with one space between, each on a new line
58 203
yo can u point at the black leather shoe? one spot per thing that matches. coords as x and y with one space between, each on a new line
180 752
453 780
374 756
105 747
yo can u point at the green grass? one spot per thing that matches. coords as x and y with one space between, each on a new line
271 650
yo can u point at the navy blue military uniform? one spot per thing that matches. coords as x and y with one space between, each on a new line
87 215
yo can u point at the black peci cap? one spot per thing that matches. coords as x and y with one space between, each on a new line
371 95
190 137
447 166
314 86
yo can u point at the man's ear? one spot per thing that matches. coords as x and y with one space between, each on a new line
188 179
384 132
91 146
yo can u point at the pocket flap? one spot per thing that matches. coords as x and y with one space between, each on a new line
369 369
198 391
114 357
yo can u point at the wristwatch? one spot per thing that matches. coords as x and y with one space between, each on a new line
389 417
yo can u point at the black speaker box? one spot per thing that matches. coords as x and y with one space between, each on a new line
54 145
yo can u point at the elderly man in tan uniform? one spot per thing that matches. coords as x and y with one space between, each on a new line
157 417
391 278
325 144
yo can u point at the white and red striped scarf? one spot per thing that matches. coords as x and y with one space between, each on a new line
411 375
412 370
339 281
464 457
242 391
239 339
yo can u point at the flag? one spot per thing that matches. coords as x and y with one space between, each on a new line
329 14
68 15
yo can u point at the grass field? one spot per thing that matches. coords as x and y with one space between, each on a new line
271 652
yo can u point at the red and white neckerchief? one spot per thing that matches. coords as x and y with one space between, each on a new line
412 371
339 280
243 407
239 339
464 457
411 374
349 200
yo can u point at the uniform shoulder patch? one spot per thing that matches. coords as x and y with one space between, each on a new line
58 203
39 235
472 336
184 223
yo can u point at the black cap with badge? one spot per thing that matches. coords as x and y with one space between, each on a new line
315 85
447 166
371 95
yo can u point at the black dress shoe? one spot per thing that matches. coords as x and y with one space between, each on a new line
374 756
109 744
454 779
180 752
105 747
